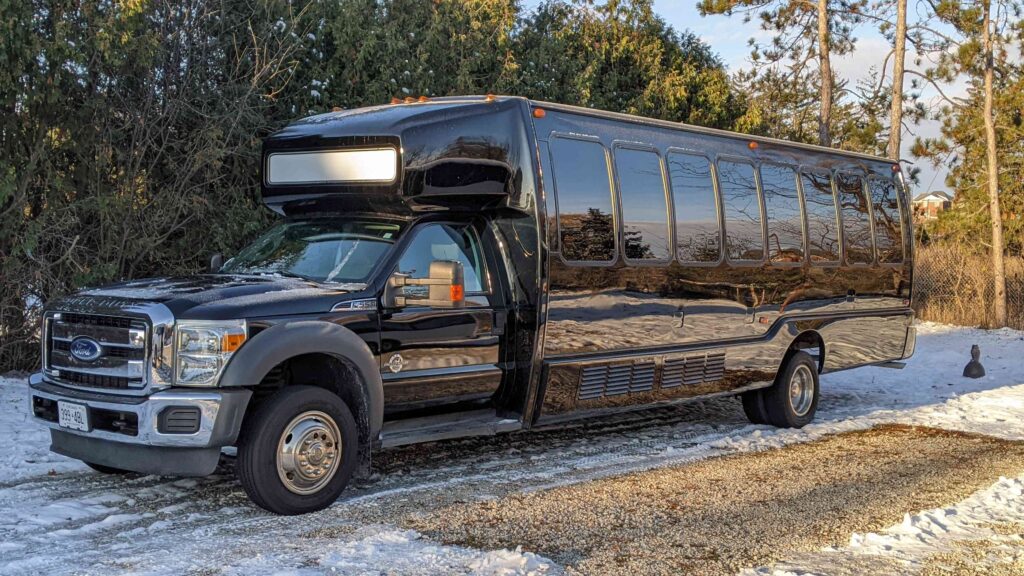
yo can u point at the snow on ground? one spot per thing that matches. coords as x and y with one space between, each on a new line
58 516
922 535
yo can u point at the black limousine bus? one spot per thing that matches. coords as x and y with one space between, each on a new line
476 265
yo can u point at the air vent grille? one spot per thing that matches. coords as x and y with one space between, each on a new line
692 370
616 379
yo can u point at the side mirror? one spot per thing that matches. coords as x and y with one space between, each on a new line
216 262
445 287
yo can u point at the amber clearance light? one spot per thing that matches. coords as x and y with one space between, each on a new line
458 293
231 342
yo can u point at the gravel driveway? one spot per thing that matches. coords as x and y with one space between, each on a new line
721 515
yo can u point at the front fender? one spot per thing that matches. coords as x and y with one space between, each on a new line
280 342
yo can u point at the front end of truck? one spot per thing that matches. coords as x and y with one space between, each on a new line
124 385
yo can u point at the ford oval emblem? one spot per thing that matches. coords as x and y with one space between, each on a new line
86 349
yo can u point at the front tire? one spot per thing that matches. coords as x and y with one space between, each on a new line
297 452
792 400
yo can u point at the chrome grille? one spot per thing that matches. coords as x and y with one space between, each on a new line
122 360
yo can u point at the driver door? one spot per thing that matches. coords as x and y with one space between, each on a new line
432 354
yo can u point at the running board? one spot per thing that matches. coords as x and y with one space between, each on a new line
893 365
445 427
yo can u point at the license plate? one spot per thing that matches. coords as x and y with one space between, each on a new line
74 416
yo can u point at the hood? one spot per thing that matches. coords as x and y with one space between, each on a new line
224 296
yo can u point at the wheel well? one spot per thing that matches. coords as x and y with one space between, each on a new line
323 371
810 342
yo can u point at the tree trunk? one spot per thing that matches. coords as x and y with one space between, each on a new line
900 54
998 269
825 70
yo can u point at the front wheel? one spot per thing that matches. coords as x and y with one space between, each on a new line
792 400
298 451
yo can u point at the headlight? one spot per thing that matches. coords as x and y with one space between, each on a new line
203 349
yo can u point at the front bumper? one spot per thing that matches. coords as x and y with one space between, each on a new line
127 431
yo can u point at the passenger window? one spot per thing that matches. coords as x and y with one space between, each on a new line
888 231
822 223
584 198
444 242
782 209
644 208
856 218
698 233
744 237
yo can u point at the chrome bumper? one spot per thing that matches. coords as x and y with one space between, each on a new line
221 413
911 342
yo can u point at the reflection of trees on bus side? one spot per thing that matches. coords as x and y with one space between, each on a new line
822 224
744 237
856 224
782 206
888 232
588 237
698 238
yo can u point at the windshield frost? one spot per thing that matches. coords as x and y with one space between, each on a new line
325 250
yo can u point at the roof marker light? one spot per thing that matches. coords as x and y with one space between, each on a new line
490 97
409 99
539 113
423 99
752 145
396 100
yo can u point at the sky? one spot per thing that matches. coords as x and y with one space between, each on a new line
728 36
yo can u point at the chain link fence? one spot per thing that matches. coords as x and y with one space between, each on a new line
955 286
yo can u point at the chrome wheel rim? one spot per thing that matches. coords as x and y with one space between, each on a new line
801 390
309 452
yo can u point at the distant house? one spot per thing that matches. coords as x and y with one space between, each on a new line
927 206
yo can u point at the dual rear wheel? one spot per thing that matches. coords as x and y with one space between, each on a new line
792 400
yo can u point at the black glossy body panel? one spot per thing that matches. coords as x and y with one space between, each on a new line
553 339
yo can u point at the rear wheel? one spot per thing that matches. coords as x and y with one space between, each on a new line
298 451
792 400
106 469
753 407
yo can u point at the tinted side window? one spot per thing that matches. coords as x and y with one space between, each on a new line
856 218
744 238
782 209
886 209
822 224
644 208
698 237
584 198
444 242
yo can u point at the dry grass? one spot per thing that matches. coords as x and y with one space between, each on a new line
954 286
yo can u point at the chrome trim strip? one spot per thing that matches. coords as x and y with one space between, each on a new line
104 344
132 369
441 373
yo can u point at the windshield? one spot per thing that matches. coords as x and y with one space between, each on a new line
324 250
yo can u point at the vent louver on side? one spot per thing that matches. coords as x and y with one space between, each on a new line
615 379
714 367
643 377
592 381
692 370
672 373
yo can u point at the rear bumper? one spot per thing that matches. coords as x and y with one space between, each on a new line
129 433
911 343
